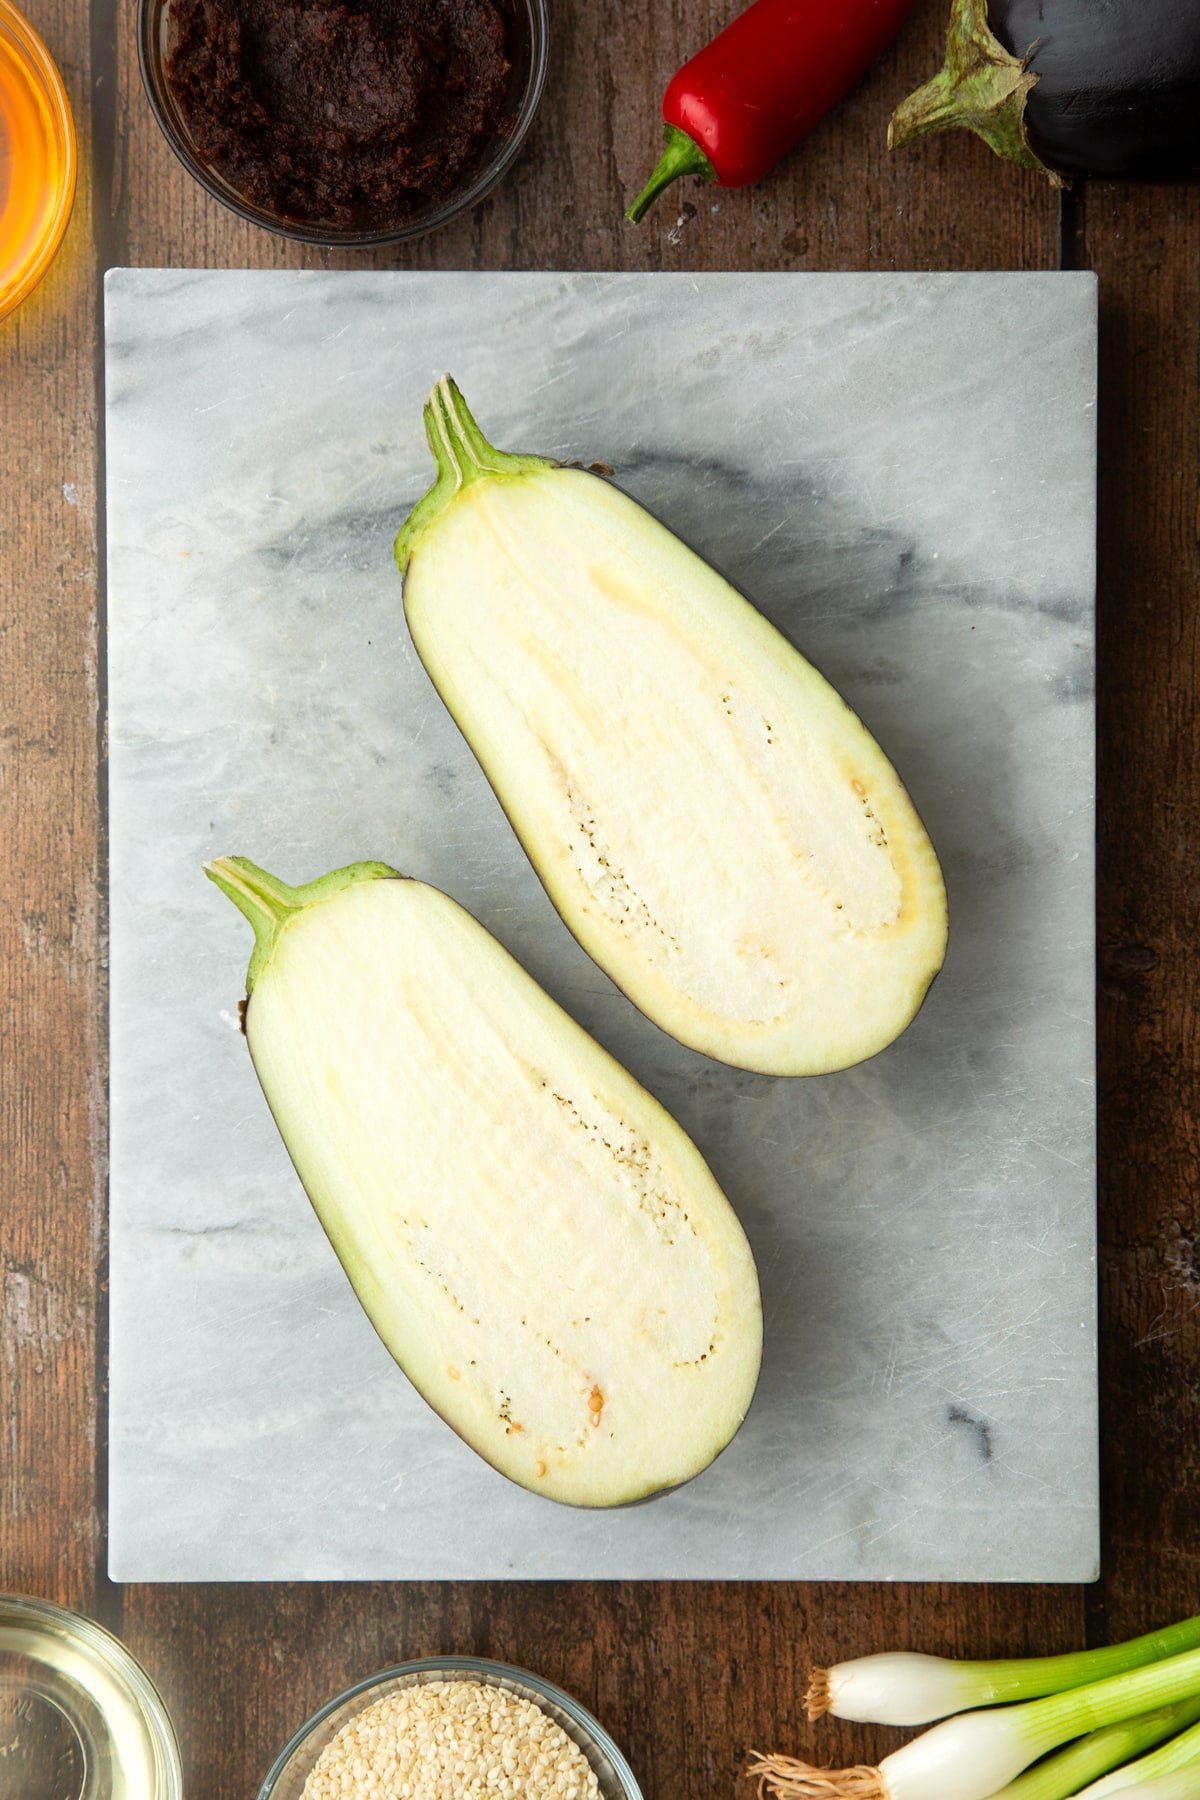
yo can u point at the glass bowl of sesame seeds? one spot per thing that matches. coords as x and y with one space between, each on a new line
455 1727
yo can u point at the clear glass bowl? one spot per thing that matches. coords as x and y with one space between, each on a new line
531 50
295 1763
79 1718
37 188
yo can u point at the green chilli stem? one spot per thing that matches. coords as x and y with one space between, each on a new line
682 156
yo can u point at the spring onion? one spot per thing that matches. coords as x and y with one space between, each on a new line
905 1688
1180 1784
1178 1754
970 1757
1088 1758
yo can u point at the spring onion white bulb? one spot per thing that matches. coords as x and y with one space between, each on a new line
970 1757
1178 1754
901 1687
905 1688
1057 1777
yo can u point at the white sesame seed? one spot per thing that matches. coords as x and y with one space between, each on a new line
451 1740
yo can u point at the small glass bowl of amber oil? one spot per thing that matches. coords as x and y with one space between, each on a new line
79 1718
37 158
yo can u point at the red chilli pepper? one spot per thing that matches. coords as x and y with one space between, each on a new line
762 84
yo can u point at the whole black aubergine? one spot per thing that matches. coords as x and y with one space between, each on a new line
1070 87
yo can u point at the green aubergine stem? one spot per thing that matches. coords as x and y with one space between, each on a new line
462 455
269 904
682 156
981 88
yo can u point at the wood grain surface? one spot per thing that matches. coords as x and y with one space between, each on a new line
686 1675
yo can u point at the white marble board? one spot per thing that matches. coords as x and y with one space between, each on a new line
900 470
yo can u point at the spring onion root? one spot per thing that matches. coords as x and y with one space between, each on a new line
1059 1776
783 1778
905 1688
1180 1753
970 1757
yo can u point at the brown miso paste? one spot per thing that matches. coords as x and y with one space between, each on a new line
356 114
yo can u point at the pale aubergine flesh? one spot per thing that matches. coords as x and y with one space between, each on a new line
537 1242
712 822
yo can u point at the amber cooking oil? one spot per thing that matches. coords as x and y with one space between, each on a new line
37 158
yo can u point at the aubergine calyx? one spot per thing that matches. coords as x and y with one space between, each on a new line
462 455
539 1245
269 904
980 88
710 819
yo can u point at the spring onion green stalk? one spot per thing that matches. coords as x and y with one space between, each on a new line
1178 1754
1181 1784
908 1689
1057 1777
970 1757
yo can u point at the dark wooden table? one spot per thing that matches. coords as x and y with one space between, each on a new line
686 1675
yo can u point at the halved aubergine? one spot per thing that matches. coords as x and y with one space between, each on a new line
539 1245
714 824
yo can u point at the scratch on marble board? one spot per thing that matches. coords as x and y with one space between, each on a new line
550 381
895 1525
1052 1151
768 535
226 400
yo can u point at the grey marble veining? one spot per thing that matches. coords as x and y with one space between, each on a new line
900 470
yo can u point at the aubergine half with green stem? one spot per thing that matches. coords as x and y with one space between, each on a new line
712 821
538 1243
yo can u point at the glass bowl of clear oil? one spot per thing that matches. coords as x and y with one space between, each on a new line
79 1718
37 158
